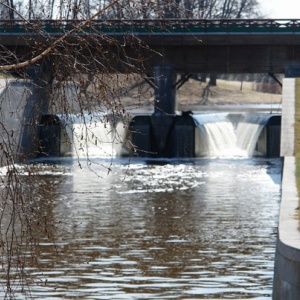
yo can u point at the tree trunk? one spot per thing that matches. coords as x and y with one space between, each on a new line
11 9
212 80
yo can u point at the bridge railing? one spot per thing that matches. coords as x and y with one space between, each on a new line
202 26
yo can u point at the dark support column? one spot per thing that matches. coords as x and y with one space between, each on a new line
163 134
162 127
50 136
273 136
165 90
183 136
141 136
292 71
41 77
162 120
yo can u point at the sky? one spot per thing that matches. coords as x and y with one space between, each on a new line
281 9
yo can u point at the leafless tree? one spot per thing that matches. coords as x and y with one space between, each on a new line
64 58
137 9
84 61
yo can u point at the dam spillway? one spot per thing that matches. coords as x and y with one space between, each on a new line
217 135
163 134
237 135
84 136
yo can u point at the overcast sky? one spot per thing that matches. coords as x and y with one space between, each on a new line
281 8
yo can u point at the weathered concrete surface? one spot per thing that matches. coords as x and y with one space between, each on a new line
287 117
286 285
21 108
14 99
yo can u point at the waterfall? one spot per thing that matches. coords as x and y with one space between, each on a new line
228 135
248 132
224 135
94 135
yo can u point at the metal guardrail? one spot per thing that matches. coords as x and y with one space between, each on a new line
202 26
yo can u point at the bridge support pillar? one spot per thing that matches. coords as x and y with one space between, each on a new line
162 120
164 134
292 71
165 90
37 105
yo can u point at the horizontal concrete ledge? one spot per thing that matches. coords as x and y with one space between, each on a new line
286 284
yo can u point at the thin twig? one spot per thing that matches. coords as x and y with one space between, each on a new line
55 43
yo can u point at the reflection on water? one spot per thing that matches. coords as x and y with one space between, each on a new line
195 229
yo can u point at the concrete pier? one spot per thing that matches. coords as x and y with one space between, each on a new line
286 285
16 105
287 117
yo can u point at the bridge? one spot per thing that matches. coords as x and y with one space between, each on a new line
170 47
189 46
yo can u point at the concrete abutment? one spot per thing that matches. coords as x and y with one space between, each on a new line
286 284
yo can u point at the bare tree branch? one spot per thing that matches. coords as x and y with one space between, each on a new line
56 42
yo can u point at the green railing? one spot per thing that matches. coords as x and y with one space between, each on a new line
175 26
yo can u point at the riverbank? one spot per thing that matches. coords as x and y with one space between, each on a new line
194 95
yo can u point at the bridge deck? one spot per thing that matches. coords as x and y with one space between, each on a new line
146 27
193 46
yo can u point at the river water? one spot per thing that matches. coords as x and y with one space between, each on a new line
165 229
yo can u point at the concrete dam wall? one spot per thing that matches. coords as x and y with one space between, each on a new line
28 131
181 136
286 285
16 108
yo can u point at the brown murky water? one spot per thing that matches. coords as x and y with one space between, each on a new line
193 229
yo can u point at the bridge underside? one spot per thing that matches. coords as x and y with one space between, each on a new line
227 58
203 59
185 54
195 59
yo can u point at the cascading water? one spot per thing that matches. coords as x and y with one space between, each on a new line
225 135
94 135
248 131
228 135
